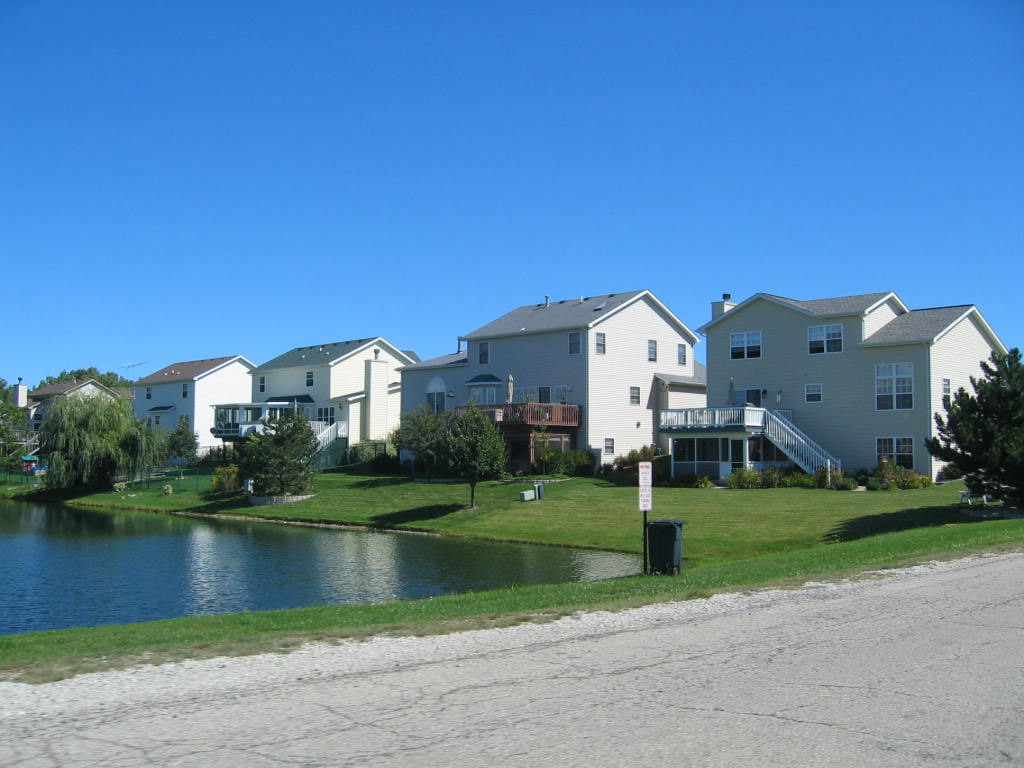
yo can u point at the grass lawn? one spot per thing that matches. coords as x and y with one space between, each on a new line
732 540
722 525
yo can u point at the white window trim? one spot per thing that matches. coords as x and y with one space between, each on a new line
600 343
895 441
652 350
579 342
747 345
483 353
609 446
820 393
682 355
894 394
824 338
639 395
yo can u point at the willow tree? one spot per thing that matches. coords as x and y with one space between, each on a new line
90 441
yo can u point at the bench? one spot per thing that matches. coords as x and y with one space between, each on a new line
966 497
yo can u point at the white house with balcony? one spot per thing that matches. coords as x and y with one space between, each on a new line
349 390
592 372
190 389
840 382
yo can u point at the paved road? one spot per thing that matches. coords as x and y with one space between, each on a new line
924 668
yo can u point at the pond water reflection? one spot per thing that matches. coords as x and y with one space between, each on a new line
67 567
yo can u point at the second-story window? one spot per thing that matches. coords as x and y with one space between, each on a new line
634 395
681 354
894 386
574 342
812 393
484 353
149 393
652 350
184 389
745 345
309 378
599 343
261 382
824 338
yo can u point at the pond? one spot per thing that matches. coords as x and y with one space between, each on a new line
67 567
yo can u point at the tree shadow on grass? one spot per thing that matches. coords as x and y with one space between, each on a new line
890 522
415 515
382 482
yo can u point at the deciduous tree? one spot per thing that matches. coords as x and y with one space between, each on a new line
983 432
182 442
422 433
89 441
473 449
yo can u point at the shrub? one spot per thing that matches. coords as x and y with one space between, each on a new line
366 451
743 478
873 483
772 477
950 472
798 480
385 464
168 489
702 481
578 463
225 479
846 484
120 487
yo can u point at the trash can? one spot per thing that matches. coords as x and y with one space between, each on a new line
538 489
665 546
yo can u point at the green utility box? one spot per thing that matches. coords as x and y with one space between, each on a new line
665 546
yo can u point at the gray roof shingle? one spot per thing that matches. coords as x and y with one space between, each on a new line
454 358
317 354
840 305
554 316
185 371
917 325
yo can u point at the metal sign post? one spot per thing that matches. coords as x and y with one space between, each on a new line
646 500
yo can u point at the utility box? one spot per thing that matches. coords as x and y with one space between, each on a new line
538 490
665 546
527 495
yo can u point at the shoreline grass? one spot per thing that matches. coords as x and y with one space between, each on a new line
734 540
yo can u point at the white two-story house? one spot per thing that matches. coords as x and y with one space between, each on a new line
842 382
191 389
349 390
593 372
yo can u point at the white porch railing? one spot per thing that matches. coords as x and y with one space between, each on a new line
777 427
328 433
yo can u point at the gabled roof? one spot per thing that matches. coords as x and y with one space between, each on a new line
859 304
63 387
699 378
190 369
928 325
326 354
443 361
569 314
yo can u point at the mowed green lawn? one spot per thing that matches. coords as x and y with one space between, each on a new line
721 524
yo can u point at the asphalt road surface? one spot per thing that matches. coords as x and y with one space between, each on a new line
915 668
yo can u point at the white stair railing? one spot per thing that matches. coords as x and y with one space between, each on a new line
329 434
804 452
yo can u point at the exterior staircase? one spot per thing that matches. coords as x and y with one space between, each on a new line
800 448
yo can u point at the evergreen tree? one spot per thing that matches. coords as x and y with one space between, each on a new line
983 433
279 462
473 449
89 441
182 442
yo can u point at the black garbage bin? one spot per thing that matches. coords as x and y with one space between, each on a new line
665 546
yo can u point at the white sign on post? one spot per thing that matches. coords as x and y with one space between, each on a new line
646 496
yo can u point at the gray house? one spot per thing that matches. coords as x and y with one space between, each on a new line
594 372
842 382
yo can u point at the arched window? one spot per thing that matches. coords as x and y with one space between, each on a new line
436 390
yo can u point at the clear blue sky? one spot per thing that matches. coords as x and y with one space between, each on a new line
181 180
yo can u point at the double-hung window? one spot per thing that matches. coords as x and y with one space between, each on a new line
825 338
599 343
484 353
898 450
609 446
435 401
894 386
681 354
574 342
149 393
184 389
652 350
261 383
812 393
745 345
634 395
309 378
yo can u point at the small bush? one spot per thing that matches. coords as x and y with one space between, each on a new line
578 463
120 487
772 477
743 479
846 484
873 483
702 481
798 480
225 480
167 489
950 472
385 464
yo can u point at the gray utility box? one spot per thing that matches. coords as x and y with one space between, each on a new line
665 546
538 489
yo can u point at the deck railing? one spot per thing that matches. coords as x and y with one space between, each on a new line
531 414
713 418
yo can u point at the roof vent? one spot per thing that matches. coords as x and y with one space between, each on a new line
547 300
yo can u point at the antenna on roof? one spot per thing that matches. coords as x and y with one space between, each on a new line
129 365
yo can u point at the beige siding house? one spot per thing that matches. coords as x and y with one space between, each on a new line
349 390
191 389
594 372
844 382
